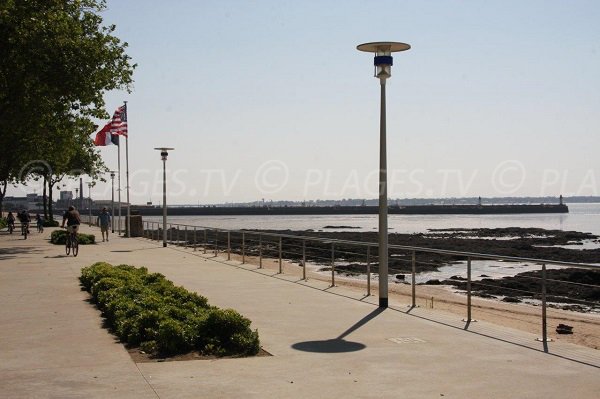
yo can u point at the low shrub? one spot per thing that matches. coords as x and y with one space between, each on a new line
147 310
3 223
59 237
50 223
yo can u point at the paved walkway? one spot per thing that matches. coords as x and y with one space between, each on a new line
324 342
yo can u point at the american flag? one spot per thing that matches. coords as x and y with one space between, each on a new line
118 125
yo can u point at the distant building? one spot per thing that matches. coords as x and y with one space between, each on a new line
31 202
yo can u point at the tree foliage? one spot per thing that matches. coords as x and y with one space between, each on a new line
57 60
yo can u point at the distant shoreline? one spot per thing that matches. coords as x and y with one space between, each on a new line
355 210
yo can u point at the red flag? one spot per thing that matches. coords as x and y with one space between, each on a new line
104 137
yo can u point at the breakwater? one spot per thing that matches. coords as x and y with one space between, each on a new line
356 210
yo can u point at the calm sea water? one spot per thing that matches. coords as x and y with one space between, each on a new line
581 217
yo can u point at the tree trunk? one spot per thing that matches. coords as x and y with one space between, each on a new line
45 200
2 193
50 185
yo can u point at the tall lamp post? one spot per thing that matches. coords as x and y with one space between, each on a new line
163 155
112 201
383 70
90 184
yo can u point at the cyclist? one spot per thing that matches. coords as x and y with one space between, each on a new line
10 222
73 220
24 218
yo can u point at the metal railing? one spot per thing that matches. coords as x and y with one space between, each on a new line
334 253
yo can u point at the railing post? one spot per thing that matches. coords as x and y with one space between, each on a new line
177 239
205 240
544 321
243 247
170 232
413 279
260 251
304 259
333 264
195 238
216 242
228 245
368 270
468 289
280 267
185 242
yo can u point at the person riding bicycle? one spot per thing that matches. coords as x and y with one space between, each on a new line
24 218
73 220
10 221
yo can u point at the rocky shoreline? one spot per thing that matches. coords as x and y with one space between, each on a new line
351 259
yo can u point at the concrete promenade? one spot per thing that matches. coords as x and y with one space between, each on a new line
326 342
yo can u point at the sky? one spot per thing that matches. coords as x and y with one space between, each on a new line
270 99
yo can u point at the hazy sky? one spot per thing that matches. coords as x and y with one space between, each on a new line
271 99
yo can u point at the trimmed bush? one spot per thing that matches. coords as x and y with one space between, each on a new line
3 223
50 223
147 310
59 237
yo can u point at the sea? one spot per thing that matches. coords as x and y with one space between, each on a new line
583 217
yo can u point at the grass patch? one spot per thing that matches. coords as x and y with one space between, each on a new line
148 311
59 237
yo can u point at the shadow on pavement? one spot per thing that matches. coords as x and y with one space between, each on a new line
11 253
339 344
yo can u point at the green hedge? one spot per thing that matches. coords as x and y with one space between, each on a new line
3 223
58 237
148 310
50 223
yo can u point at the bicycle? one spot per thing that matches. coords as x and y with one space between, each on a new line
11 227
24 229
71 241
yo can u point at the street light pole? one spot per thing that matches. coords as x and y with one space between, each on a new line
163 155
383 70
90 184
112 201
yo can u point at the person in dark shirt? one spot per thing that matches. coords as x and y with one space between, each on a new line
73 220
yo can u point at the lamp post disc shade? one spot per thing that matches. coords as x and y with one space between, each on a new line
164 149
383 46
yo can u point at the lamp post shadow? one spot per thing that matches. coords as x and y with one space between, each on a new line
338 344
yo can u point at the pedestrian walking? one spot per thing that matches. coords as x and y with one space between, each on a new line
104 221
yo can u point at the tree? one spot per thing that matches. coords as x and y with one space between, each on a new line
57 61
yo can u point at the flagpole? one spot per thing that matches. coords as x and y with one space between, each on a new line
127 173
119 180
